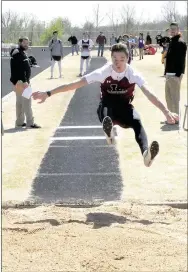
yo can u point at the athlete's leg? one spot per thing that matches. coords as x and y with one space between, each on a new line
127 116
81 65
52 67
142 53
87 64
105 117
60 71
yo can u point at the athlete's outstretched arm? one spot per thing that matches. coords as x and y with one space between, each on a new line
171 117
64 88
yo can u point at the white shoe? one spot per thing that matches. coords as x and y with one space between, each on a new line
151 153
107 125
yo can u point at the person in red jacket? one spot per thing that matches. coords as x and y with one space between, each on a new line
101 41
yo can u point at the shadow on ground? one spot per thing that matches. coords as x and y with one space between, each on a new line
98 220
14 130
107 219
167 127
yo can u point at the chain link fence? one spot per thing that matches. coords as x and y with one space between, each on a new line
6 47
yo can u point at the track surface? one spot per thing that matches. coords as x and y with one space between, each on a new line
79 171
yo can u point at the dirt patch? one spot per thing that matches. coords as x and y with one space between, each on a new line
123 237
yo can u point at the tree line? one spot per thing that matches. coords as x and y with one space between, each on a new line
15 25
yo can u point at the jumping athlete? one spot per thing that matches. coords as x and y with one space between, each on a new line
118 81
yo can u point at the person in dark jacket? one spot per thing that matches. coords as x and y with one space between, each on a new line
73 40
101 41
159 39
21 71
148 39
175 68
119 39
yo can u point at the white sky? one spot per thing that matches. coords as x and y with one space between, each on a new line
78 11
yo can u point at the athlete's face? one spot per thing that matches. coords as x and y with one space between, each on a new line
119 60
85 36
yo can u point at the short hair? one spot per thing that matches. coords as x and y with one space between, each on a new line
23 39
126 35
55 32
167 29
120 47
174 24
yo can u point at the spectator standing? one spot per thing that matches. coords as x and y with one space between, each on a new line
56 49
175 68
21 71
120 39
73 40
141 46
101 41
148 39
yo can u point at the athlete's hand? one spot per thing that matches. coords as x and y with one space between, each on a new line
172 118
42 96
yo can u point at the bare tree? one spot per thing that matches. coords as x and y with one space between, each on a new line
128 18
169 11
113 21
97 18
15 26
88 26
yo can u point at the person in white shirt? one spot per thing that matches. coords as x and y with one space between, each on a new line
85 45
118 81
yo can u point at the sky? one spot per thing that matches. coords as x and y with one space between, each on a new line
79 11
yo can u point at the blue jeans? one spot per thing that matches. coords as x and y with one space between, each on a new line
74 48
101 48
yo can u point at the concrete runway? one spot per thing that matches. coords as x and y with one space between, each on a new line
79 171
43 59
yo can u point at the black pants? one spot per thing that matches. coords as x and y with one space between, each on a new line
127 117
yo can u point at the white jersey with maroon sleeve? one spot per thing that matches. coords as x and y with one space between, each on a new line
116 87
85 46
